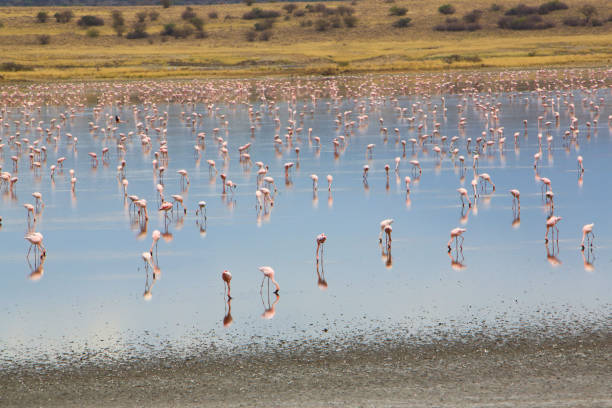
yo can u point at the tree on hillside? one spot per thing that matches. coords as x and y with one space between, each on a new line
166 3
118 22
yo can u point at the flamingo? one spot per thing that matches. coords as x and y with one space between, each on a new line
321 238
227 278
268 273
383 225
552 223
587 232
36 240
455 234
463 193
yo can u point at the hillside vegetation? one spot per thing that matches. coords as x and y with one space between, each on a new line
299 38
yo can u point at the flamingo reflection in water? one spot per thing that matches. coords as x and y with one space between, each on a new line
551 253
228 319
588 259
269 309
457 259
321 281
150 264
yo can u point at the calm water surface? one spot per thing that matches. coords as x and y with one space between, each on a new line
90 297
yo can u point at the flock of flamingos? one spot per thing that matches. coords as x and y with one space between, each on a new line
28 143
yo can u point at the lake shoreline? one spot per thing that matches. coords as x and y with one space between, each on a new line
555 370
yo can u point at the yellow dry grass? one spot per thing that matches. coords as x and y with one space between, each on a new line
372 46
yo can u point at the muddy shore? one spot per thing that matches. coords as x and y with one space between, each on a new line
526 371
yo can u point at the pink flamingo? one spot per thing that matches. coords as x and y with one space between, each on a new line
36 240
455 234
268 273
329 182
156 235
416 165
321 238
227 278
587 232
516 198
463 193
580 166
383 224
552 223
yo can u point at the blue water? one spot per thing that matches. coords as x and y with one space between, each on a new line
90 296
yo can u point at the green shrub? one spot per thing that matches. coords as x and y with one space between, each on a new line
290 8
44 39
551 6
153 15
256 13
521 10
188 14
473 16
265 36
264 25
446 9
141 16
139 30
92 33
42 16
90 21
14 67
350 21
166 3
213 15
532 22
64 16
251 35
321 24
402 22
398 11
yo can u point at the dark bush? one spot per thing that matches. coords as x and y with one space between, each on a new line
139 30
343 11
573 21
453 24
153 15
522 10
197 23
256 13
251 35
64 16
458 58
264 25
166 3
265 36
14 67
595 22
402 22
248 2
188 14
306 23
171 29
496 7
473 16
44 39
551 6
446 9
213 15
398 11
141 16
350 21
299 13
290 8
90 21
532 22
321 24
42 16
335 22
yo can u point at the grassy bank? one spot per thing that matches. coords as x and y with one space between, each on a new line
295 45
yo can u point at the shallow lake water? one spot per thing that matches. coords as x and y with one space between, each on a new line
90 297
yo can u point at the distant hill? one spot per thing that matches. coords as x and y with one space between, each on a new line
48 3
